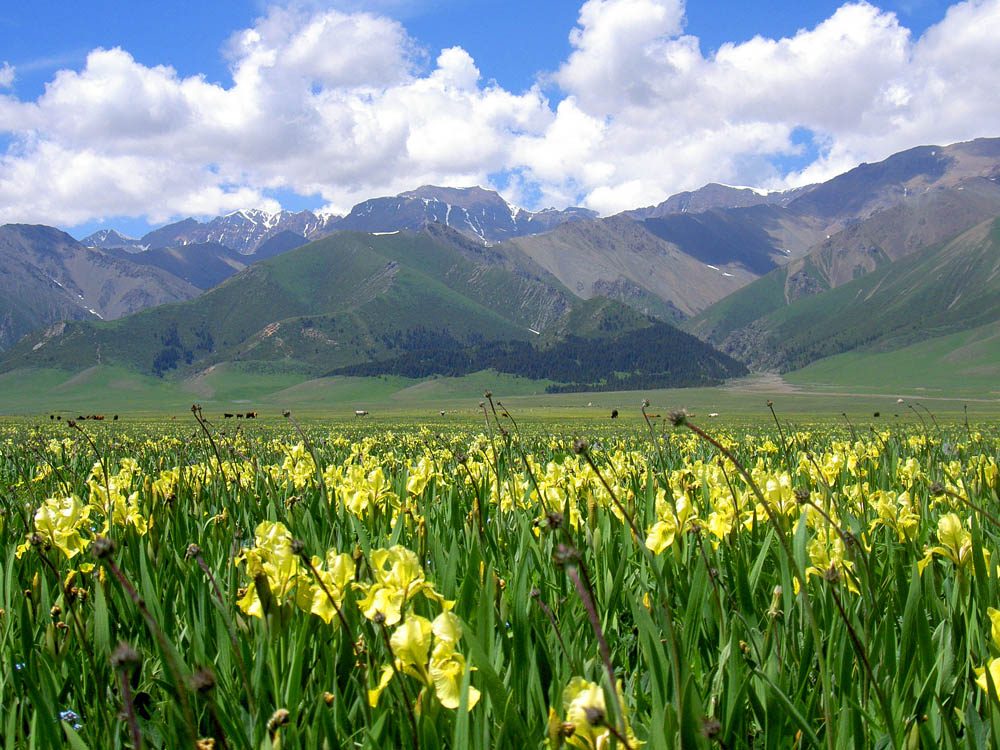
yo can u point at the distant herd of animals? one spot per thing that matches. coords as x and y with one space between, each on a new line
81 418
253 415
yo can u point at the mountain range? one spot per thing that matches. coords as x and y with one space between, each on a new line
774 279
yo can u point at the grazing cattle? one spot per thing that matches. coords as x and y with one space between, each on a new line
227 416
713 414
614 414
115 418
360 413
239 416
442 413
251 415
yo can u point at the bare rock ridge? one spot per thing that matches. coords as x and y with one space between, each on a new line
475 212
48 276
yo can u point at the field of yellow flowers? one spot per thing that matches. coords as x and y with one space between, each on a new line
639 583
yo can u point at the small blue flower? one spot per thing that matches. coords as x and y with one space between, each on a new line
72 718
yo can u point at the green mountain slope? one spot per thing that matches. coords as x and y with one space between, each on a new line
941 290
655 356
917 222
345 299
964 362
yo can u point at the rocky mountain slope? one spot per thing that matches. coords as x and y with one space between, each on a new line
475 212
47 276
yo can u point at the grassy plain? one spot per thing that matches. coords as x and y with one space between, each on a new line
857 386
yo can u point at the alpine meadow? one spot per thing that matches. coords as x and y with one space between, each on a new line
595 375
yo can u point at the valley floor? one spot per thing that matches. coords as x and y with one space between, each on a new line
106 390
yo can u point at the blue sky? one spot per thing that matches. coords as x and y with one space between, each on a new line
511 40
639 104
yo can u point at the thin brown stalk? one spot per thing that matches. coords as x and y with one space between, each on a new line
223 607
103 553
863 656
595 622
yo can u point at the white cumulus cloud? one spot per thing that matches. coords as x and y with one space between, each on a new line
346 105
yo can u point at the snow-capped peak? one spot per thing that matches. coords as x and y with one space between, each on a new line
755 190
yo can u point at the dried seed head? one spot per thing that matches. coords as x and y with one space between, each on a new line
285 413
710 728
36 540
595 715
678 418
102 547
379 618
580 445
297 546
193 550
937 489
802 495
124 656
564 555
203 680
328 698
832 574
554 519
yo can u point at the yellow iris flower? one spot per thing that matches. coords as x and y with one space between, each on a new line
441 669
993 665
271 563
955 544
586 725
398 577
58 521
